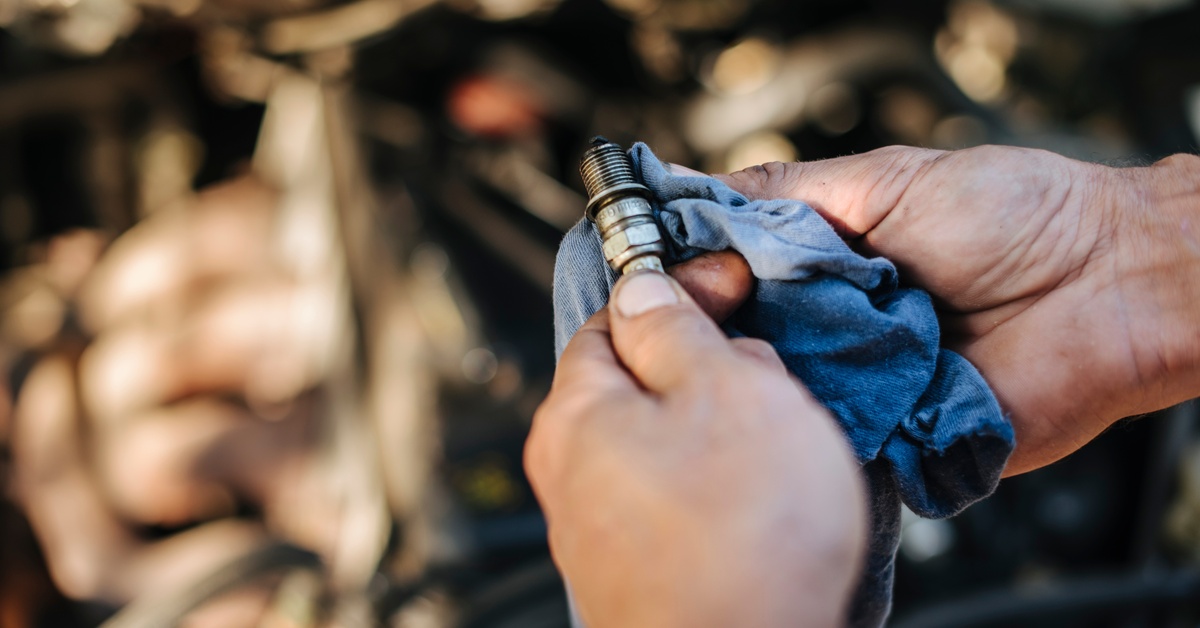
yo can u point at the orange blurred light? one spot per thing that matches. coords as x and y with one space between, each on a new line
494 107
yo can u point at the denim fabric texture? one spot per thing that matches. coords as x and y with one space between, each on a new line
921 420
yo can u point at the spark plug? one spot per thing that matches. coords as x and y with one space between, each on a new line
620 208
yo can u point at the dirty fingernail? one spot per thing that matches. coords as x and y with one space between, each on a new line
642 292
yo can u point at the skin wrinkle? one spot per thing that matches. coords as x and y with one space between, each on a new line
1101 239
1093 195
857 219
1104 243
1016 260
1027 253
1033 253
872 191
1150 366
1033 256
905 178
1140 277
916 181
758 178
1141 378
1067 232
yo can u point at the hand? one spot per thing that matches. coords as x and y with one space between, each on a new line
1071 286
198 391
687 479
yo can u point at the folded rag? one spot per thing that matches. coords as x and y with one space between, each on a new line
921 420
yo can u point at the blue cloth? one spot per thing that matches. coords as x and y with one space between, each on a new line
921 420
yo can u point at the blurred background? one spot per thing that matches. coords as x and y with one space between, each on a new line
275 302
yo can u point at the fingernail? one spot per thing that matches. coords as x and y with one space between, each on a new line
645 291
683 171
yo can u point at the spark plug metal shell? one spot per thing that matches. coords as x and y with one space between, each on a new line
620 208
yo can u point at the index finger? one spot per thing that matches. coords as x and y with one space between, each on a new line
589 361
853 193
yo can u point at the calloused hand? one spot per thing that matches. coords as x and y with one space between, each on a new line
1073 287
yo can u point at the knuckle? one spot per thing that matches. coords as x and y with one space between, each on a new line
893 151
548 429
992 151
553 434
1181 161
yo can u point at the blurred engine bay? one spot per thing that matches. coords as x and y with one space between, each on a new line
276 293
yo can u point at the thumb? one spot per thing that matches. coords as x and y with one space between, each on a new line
854 193
660 334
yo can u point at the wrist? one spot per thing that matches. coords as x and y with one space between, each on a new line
1156 243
